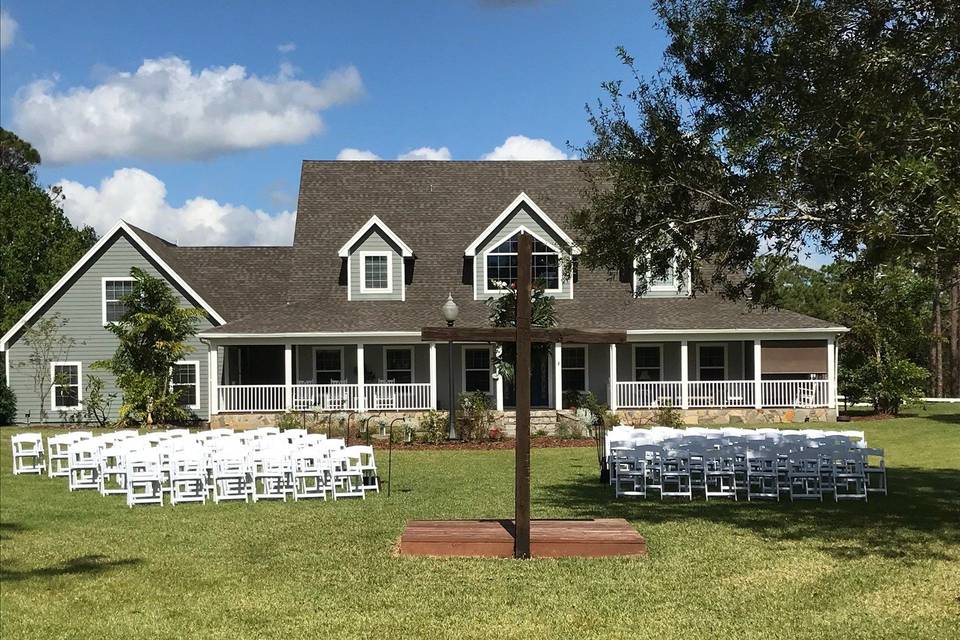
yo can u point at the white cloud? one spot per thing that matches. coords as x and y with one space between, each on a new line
8 29
356 154
287 47
524 148
140 198
426 153
166 110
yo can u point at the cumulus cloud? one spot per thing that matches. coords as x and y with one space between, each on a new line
350 153
426 153
140 198
287 47
165 109
8 29
524 148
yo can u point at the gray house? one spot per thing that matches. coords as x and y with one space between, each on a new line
333 322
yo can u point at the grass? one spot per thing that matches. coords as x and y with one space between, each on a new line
80 565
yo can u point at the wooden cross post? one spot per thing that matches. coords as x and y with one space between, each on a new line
524 335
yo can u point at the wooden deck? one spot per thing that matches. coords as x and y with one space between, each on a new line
548 538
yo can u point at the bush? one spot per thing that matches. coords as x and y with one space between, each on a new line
668 416
888 384
96 404
289 421
474 418
433 427
8 404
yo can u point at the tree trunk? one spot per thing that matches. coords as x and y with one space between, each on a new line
955 333
936 346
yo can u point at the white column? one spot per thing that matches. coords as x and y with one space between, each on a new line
757 385
361 392
288 376
213 380
832 372
684 375
433 375
612 392
499 382
558 375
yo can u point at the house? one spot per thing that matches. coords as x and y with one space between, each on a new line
333 322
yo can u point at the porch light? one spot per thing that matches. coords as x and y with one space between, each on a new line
450 310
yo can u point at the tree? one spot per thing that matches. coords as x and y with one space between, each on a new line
779 128
8 403
152 332
37 242
47 343
503 313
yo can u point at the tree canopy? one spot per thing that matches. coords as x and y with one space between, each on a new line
779 128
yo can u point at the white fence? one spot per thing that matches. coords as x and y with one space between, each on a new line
323 397
723 394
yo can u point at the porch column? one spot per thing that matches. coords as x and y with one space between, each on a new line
433 376
558 375
499 382
213 380
832 372
361 392
684 375
757 384
612 391
288 376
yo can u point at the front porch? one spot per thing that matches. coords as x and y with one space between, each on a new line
686 373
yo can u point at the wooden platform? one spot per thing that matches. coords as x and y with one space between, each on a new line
548 538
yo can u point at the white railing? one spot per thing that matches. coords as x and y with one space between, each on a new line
326 397
648 395
795 393
252 397
723 393
397 396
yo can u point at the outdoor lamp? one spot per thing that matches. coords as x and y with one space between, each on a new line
450 311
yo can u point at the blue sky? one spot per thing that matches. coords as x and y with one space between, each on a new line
464 75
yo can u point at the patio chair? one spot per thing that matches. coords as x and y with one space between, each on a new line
28 455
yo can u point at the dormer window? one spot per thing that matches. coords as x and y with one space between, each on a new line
377 271
375 262
501 264
673 283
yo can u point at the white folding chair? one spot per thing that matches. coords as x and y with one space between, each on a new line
849 479
28 455
875 469
58 452
631 472
347 474
675 474
368 466
112 471
311 473
762 474
84 465
720 474
803 475
188 475
230 468
271 474
144 483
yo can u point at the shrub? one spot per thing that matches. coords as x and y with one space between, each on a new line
289 421
474 418
668 416
96 404
433 427
8 404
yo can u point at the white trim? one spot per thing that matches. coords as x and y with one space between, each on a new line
757 373
288 375
684 374
213 377
53 384
664 288
586 366
121 226
726 366
831 373
196 380
313 356
361 379
103 293
695 332
315 334
522 229
363 271
432 356
463 365
399 347
405 250
523 198
612 378
349 278
633 360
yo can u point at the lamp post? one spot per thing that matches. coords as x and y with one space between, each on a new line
450 311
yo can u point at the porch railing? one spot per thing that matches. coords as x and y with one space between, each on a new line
324 397
723 394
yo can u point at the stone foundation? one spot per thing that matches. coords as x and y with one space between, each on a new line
644 417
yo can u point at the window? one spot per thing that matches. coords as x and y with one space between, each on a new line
114 290
377 274
647 363
671 282
573 362
398 364
501 264
185 379
711 362
667 283
476 369
66 389
328 365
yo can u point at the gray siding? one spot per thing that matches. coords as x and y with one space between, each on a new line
374 240
81 305
505 230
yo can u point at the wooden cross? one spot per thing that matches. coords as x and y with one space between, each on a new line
524 335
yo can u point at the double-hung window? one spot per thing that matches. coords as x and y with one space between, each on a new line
573 363
66 390
377 275
328 365
501 264
398 364
647 363
476 369
185 380
114 291
711 362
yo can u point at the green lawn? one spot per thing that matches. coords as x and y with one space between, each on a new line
83 566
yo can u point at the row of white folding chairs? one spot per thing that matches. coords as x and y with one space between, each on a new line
756 472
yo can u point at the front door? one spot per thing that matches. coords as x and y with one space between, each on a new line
539 382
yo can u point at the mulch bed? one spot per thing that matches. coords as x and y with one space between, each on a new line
539 442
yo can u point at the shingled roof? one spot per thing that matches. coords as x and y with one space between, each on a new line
438 208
